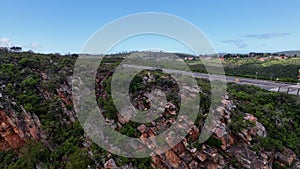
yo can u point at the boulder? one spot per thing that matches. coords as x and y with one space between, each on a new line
110 164
250 117
287 156
142 128
172 159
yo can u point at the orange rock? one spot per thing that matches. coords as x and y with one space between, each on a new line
110 164
212 166
250 117
179 148
194 133
172 158
202 157
16 130
156 161
227 141
151 132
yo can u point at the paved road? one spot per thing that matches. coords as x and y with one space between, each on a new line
264 84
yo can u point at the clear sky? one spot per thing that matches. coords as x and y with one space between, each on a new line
231 25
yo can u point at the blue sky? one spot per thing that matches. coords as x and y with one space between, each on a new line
231 26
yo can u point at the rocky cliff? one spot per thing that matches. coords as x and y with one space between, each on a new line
225 148
231 146
18 127
48 117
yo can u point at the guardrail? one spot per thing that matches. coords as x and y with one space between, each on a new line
295 90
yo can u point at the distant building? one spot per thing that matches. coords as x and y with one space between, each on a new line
208 57
262 59
189 58
279 57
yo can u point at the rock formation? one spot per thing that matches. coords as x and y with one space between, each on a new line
18 127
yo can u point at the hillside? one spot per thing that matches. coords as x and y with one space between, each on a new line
39 127
290 53
285 70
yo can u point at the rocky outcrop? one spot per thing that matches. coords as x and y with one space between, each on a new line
110 164
65 94
17 128
257 129
185 155
285 157
232 150
250 159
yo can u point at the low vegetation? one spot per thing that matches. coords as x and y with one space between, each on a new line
285 70
24 76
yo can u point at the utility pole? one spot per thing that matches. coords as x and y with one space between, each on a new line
236 78
298 76
256 77
271 77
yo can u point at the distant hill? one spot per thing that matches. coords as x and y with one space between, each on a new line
287 53
290 53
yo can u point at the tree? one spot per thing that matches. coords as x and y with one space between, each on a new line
79 159
3 50
16 49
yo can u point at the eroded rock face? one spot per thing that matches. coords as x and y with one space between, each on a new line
110 164
184 155
65 94
234 146
171 159
257 129
15 129
285 157
250 159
